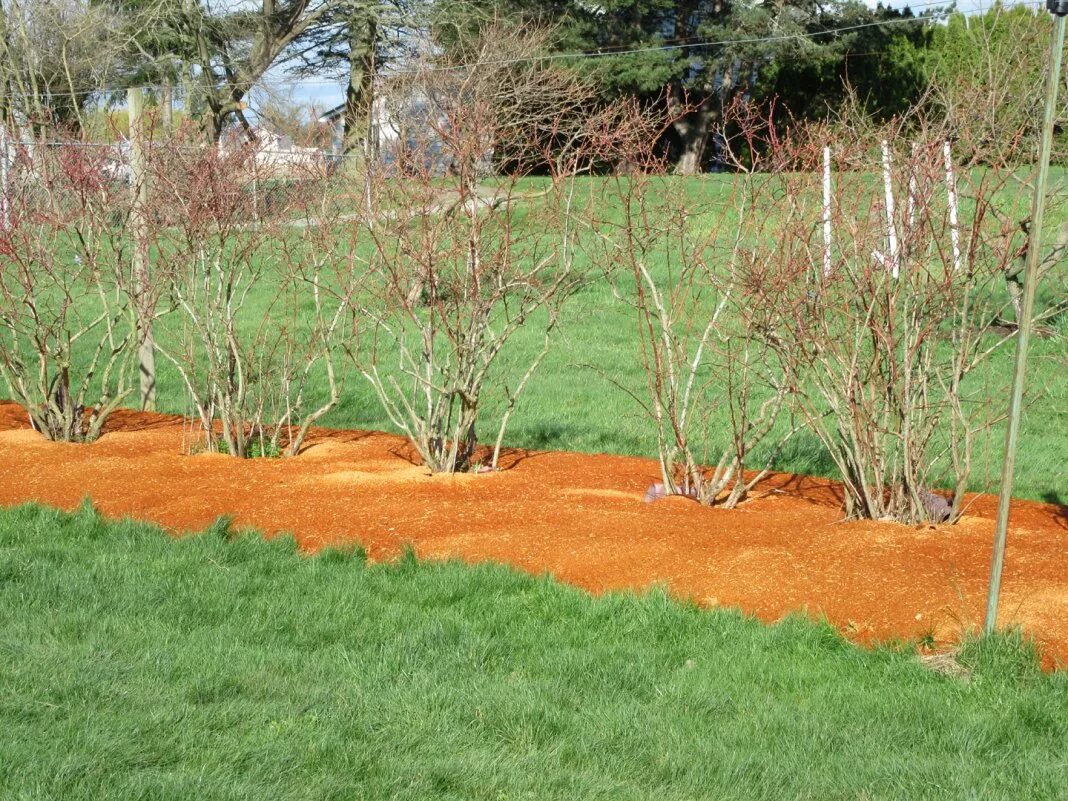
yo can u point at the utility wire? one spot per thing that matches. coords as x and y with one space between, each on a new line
578 56
935 17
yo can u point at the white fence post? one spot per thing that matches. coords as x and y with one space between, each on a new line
912 191
5 178
951 191
891 229
826 211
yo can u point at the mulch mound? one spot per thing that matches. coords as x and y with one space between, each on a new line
579 517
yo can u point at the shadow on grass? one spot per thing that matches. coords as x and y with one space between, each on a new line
547 436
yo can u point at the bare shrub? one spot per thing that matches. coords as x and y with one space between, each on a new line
886 336
714 387
258 331
66 318
466 249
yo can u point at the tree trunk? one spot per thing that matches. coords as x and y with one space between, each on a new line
693 132
359 94
166 105
213 123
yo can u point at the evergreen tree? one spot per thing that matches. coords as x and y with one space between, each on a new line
696 56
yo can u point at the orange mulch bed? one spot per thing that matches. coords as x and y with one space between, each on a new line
579 517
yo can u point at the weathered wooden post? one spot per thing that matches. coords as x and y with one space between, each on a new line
1059 8
146 353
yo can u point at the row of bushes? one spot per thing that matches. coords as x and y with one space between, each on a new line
855 309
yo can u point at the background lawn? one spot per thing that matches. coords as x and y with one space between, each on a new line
133 666
575 401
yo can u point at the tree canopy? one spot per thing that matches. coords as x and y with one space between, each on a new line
693 58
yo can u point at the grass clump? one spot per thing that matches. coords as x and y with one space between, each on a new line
229 667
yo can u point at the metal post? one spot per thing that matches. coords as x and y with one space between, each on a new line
146 355
1023 335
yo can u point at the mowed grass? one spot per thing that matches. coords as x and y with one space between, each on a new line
134 666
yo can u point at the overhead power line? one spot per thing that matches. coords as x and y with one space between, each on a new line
578 56
605 53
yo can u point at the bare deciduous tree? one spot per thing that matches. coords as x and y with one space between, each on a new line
235 45
57 56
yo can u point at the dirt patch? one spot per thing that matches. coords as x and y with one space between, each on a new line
581 518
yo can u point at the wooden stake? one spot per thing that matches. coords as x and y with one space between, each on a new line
5 176
911 215
166 106
1023 336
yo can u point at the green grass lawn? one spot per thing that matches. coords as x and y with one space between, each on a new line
133 666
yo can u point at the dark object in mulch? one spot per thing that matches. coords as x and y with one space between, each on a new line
658 491
938 508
